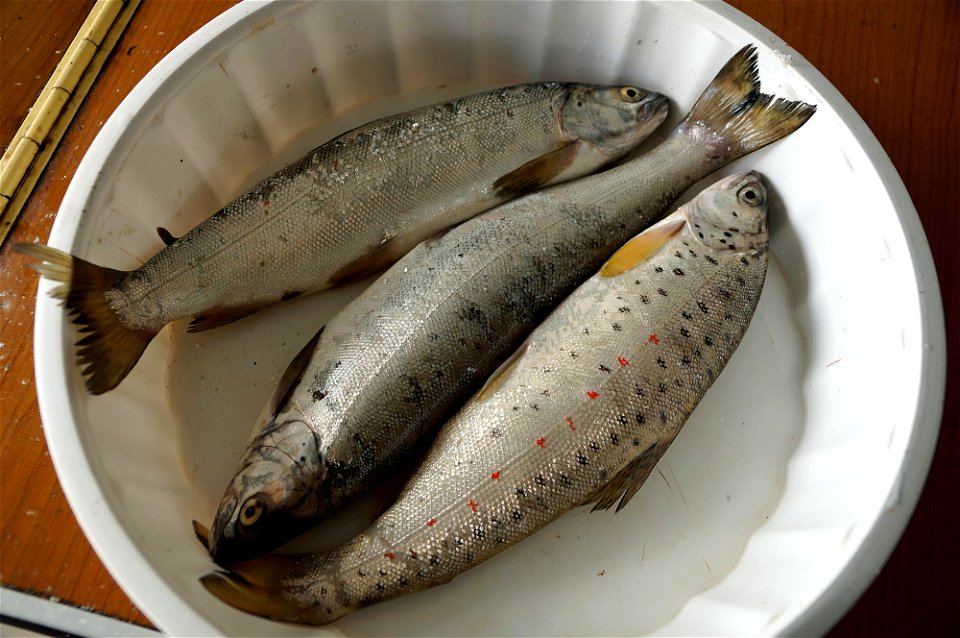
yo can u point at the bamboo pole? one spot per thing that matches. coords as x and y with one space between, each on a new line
48 119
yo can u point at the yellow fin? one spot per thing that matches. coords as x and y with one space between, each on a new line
641 248
111 348
266 601
537 172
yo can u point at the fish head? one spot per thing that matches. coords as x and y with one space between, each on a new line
274 496
613 118
731 215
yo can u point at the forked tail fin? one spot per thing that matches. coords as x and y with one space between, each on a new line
109 349
743 118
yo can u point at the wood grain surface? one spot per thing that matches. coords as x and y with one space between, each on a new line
896 62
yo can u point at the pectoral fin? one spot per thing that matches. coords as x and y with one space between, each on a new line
293 374
642 247
220 317
203 534
378 259
537 172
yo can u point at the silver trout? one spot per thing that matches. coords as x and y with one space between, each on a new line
395 363
346 210
579 415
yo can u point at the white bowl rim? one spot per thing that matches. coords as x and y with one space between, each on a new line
125 561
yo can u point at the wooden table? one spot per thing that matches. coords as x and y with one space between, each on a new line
895 61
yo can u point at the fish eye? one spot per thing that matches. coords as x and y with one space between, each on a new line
631 94
749 196
251 512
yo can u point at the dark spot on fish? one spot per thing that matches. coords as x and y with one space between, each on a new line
496 432
663 386
711 260
517 515
434 559
545 393
624 308
678 382
734 213
685 360
604 368
535 406
614 438
540 480
636 442
564 479
744 260
521 491
692 254
727 234
678 272
403 581
732 247
586 331
684 331
703 308
582 459
361 573
641 419
701 236
516 407
380 586
707 340
697 353
319 395
573 354
723 292
662 291
616 327
663 416
741 281
658 269
644 298
728 316
383 572
638 390
458 540
622 418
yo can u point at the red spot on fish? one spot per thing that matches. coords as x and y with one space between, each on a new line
622 361
542 441
390 555
570 423
592 394
472 505
654 339
431 522
495 475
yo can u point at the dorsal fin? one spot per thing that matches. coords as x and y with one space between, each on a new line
642 247
500 374
166 236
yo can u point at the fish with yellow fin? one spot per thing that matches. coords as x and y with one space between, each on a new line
579 415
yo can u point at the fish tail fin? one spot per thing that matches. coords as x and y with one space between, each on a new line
745 119
258 587
111 348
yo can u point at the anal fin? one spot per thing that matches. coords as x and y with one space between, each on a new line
378 259
627 481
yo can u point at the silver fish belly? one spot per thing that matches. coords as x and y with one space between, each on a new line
349 208
395 362
579 415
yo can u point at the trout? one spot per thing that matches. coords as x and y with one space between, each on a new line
348 209
397 361
579 415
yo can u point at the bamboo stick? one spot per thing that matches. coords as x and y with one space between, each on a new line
48 119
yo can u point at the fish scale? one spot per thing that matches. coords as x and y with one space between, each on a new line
579 415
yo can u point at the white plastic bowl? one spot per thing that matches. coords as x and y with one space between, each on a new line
772 511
